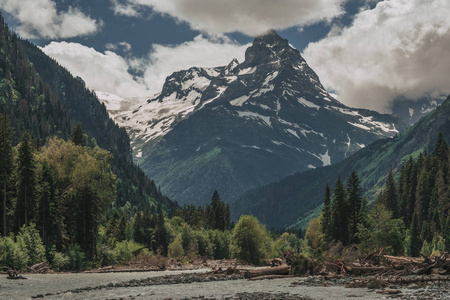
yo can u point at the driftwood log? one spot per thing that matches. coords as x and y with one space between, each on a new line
281 270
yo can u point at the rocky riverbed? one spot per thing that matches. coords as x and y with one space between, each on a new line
196 284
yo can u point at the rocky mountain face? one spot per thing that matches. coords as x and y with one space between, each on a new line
246 124
411 111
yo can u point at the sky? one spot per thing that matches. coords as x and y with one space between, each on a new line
367 52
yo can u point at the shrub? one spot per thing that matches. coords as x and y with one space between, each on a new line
221 242
33 243
176 248
126 250
13 254
60 261
77 258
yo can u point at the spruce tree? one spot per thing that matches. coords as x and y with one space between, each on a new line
339 214
161 236
354 191
47 211
441 149
423 195
415 244
77 135
326 214
26 202
391 196
403 191
6 164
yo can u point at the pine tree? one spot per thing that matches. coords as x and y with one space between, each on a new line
441 149
423 193
403 191
161 236
339 214
326 214
390 195
6 164
354 201
415 244
218 213
77 135
49 215
26 202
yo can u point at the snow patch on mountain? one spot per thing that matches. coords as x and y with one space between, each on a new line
239 101
248 114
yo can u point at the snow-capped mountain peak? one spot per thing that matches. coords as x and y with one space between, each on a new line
271 106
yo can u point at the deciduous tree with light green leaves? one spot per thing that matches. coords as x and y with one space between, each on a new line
250 241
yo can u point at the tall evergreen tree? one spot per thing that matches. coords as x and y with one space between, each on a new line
47 223
26 202
354 191
404 187
161 236
423 195
6 165
77 135
326 214
218 213
339 214
441 148
415 244
391 196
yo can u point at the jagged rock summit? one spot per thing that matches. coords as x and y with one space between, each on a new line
246 124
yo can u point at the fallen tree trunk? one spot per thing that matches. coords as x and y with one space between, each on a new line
271 277
282 270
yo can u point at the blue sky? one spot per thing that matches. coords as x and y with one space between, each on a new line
366 51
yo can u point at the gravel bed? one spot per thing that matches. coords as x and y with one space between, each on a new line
163 280
256 296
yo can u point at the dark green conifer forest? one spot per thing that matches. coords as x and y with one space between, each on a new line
409 216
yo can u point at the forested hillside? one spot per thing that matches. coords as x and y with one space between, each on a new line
298 196
409 216
43 98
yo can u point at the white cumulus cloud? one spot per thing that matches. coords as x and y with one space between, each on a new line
251 17
398 48
40 18
110 72
106 71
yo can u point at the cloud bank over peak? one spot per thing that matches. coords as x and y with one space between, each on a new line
398 49
109 72
40 19
250 17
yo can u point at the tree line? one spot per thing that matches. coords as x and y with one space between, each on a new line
409 216
58 204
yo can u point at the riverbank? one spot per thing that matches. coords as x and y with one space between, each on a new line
202 284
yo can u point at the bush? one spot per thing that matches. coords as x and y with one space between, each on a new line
33 243
176 248
250 241
13 254
286 242
77 258
105 255
221 242
60 261
124 251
